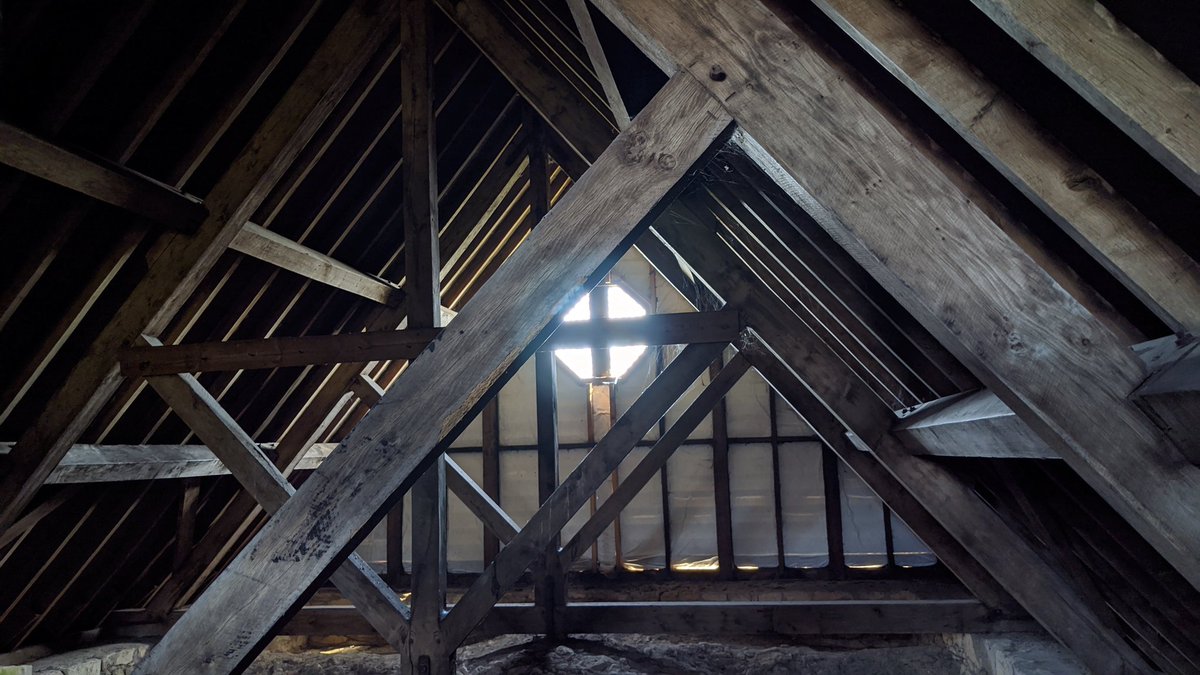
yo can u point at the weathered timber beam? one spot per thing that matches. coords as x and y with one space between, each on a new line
263 244
833 617
1115 233
499 523
184 261
975 424
575 490
655 459
107 182
831 400
1171 394
1113 69
355 578
584 232
1051 359
595 52
139 361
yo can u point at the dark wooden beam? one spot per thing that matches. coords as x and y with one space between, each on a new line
1171 394
497 522
576 490
265 245
107 182
386 345
834 617
151 304
1053 361
490 460
514 309
1115 233
722 497
831 480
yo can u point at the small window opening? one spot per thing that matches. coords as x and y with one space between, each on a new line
617 303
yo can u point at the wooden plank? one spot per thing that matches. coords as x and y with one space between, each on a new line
277 352
833 617
550 592
490 461
831 480
546 275
576 490
1171 394
185 260
499 523
974 424
200 411
107 182
552 95
654 461
1112 68
1046 356
390 345
263 244
1116 234
35 516
722 497
595 52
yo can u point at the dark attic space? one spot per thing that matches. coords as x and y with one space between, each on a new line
599 336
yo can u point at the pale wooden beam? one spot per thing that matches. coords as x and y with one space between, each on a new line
281 352
1043 353
1115 233
654 460
107 182
174 274
1113 69
975 424
576 490
572 248
205 416
499 523
263 244
595 52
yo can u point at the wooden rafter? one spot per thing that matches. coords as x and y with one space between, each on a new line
1054 363
595 51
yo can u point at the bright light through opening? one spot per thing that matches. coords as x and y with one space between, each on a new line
621 305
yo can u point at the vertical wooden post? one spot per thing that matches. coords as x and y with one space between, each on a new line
664 479
185 533
427 654
721 490
776 484
833 512
491 470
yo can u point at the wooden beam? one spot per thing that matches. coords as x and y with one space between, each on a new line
494 518
1115 233
831 480
531 74
276 352
1113 69
387 345
576 490
1052 361
200 411
973 424
277 250
830 400
595 52
550 592
655 459
151 304
105 181
815 617
722 497
490 461
1171 394
582 233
